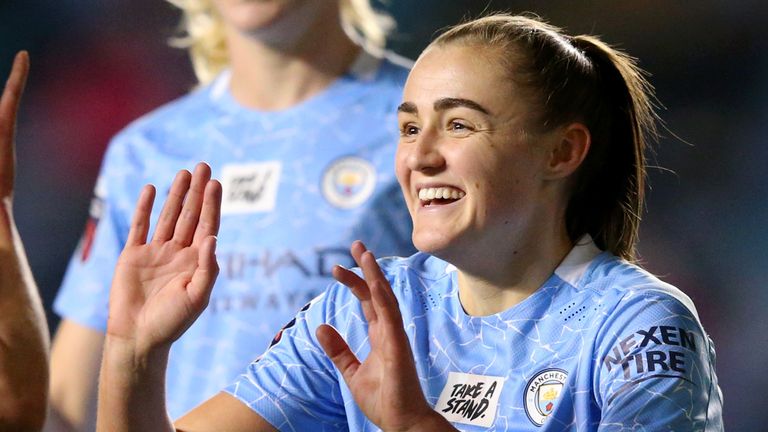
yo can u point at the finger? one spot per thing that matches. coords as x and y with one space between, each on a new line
137 235
210 215
193 202
359 288
201 284
172 207
14 87
338 351
357 250
9 105
382 297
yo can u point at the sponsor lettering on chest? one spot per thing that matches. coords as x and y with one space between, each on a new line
470 399
250 188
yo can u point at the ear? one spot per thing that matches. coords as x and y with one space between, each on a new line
568 151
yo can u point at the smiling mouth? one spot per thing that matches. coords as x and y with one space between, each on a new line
439 196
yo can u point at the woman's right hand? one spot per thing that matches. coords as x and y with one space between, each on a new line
161 286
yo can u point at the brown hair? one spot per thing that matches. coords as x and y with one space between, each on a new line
581 79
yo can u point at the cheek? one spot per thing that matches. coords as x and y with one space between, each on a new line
401 166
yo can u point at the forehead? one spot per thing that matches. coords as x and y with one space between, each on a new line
459 71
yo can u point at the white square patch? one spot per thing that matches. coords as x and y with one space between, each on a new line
470 399
250 188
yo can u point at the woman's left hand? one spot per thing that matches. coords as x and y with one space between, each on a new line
385 385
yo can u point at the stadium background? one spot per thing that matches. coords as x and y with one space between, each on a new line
96 65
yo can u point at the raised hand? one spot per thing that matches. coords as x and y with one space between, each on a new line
160 287
24 351
385 385
9 106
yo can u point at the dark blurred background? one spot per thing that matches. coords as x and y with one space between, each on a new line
97 65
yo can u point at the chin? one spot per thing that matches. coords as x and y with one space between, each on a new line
431 243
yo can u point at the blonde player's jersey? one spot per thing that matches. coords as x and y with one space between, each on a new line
601 346
299 185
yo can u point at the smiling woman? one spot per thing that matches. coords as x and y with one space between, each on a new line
521 163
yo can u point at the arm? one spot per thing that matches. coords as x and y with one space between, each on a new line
23 330
385 386
83 297
75 360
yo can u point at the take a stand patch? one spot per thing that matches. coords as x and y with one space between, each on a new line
470 399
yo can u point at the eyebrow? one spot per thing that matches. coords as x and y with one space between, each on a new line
444 104
408 107
448 103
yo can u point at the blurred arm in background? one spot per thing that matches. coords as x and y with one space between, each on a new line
75 354
23 329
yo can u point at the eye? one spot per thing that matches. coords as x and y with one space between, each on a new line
459 127
409 130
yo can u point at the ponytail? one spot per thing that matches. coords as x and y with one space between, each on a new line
608 198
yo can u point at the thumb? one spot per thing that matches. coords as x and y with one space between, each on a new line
201 285
338 351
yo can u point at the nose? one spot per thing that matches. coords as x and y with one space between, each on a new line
425 154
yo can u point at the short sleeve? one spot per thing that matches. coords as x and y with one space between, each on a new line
84 294
294 385
655 367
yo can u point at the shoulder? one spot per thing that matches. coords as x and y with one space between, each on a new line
650 342
621 283
382 69
178 114
646 327
395 67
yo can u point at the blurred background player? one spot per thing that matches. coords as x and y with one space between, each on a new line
23 329
298 122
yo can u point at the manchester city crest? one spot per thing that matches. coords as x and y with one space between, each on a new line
348 182
542 393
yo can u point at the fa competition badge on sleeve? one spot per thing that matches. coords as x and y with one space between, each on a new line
348 182
541 394
95 213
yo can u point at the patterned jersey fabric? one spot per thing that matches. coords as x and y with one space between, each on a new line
601 346
299 185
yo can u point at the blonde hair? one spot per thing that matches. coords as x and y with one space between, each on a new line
203 32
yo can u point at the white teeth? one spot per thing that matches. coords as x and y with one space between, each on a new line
428 194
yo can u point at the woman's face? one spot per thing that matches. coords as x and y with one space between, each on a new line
471 178
271 16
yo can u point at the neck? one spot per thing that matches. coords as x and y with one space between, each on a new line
278 74
513 275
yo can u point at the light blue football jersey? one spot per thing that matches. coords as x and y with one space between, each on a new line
299 185
601 346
